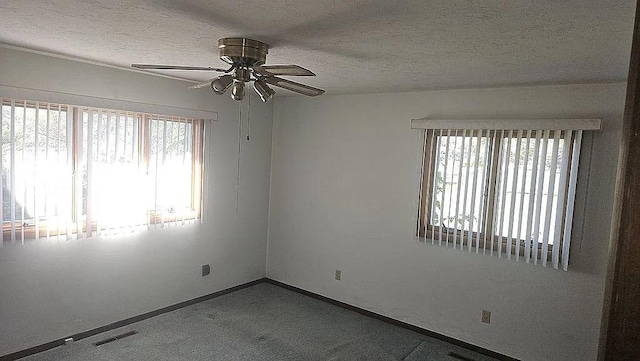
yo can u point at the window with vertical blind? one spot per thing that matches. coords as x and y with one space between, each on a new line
80 172
501 188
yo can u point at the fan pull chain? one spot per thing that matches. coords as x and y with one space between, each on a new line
249 118
238 159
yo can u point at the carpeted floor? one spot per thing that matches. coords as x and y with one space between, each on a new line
263 322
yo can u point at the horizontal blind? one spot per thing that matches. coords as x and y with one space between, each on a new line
78 172
504 192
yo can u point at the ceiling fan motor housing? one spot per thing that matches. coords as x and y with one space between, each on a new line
243 51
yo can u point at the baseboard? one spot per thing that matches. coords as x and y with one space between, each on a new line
112 326
395 322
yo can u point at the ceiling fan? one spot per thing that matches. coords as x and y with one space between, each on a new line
247 58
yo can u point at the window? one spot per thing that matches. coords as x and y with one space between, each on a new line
80 172
508 193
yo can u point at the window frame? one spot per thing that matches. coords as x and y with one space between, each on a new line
197 155
495 149
30 229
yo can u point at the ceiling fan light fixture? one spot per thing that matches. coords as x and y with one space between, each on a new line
237 91
247 58
221 84
264 91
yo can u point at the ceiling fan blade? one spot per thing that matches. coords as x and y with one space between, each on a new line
204 84
286 70
175 67
293 86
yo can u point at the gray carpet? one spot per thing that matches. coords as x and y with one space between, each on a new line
263 322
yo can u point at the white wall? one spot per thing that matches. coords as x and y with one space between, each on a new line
48 291
345 174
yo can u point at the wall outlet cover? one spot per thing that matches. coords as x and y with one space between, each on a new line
206 270
486 316
338 275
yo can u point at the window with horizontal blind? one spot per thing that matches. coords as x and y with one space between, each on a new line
78 172
501 189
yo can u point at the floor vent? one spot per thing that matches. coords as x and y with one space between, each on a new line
459 357
117 337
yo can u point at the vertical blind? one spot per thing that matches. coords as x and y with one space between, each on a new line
504 192
78 172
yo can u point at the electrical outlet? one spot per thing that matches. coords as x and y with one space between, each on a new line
338 275
486 316
206 270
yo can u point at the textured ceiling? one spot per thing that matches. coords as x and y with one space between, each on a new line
353 46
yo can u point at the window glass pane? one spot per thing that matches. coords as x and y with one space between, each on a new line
460 165
170 164
40 183
53 180
119 187
547 170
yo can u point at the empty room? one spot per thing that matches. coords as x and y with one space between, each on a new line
319 180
